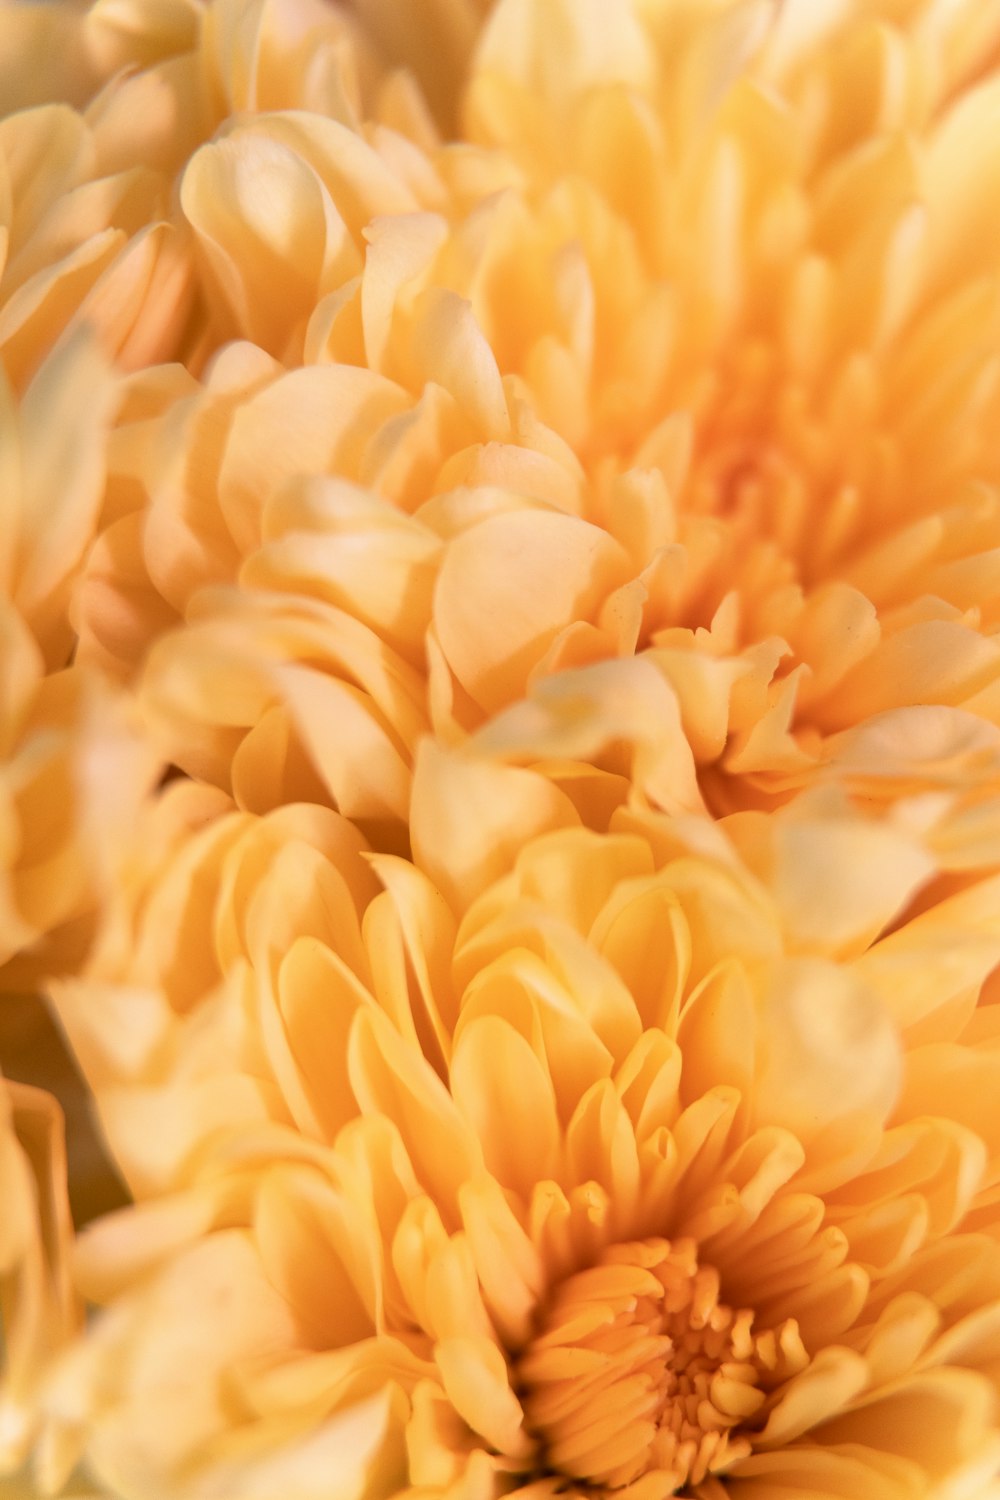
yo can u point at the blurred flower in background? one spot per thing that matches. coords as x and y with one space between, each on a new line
41 1310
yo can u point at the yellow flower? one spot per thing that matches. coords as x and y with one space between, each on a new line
584 421
751 289
625 1159
40 1309
675 359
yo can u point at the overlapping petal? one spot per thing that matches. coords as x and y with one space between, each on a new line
746 366
74 765
419 1118
537 496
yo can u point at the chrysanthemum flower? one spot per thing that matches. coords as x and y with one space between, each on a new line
592 433
628 1161
719 286
676 362
745 315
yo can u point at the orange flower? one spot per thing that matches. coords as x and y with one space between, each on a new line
634 1159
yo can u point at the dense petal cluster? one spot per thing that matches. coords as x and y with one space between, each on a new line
107 219
633 1162
500 750
693 380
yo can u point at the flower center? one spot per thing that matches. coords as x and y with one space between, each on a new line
639 1370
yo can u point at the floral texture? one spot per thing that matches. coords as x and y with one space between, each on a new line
73 765
655 395
630 1164
500 761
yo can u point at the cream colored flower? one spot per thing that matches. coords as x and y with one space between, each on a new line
406 1152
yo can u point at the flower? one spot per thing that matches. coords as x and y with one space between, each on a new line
750 314
538 496
629 1159
727 413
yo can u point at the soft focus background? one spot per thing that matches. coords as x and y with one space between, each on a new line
33 1050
